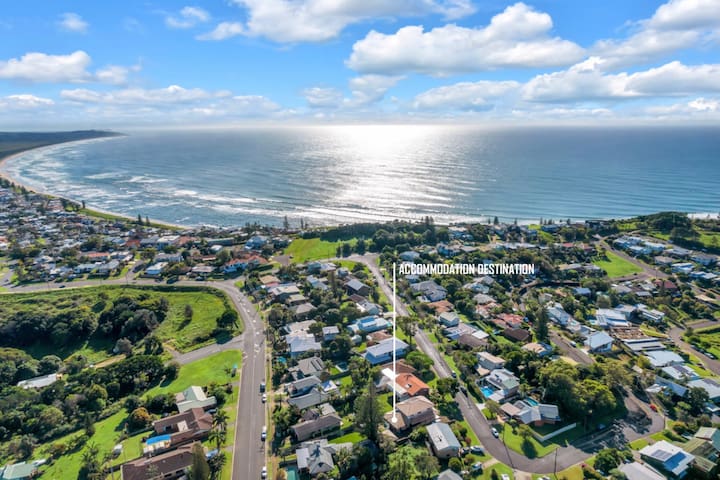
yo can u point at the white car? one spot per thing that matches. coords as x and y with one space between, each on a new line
263 472
505 476
264 397
263 435
494 431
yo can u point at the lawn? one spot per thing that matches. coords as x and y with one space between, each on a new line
500 468
203 372
305 249
616 266
352 437
175 330
639 444
533 448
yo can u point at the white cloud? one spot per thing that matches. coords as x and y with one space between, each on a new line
72 22
464 95
24 102
223 31
587 81
675 25
321 97
291 21
708 108
519 37
369 89
141 96
40 67
187 18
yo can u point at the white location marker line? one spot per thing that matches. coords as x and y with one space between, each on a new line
394 415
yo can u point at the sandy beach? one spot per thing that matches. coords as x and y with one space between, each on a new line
4 160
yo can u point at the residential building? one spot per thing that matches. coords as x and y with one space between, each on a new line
316 457
430 290
410 413
39 382
489 361
171 465
640 471
307 367
711 386
449 319
663 358
315 421
504 382
443 441
599 342
383 351
369 324
20 470
193 397
538 348
188 426
356 287
668 457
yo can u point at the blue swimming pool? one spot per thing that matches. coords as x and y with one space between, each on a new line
531 402
487 391
158 439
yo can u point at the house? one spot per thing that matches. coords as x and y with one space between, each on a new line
282 292
314 421
302 386
537 415
307 367
383 351
368 307
448 475
369 324
20 471
680 373
508 320
430 290
156 269
449 319
302 343
256 242
609 318
295 300
193 397
599 342
682 267
410 413
443 441
711 386
649 314
489 361
710 434
302 310
663 358
330 333
356 287
703 259
406 385
557 314
640 471
315 397
668 457
316 457
167 466
315 282
409 256
706 456
191 425
39 382
517 334
538 348
504 382
453 333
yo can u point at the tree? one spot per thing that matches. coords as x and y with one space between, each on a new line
199 470
401 465
188 312
124 346
541 330
455 464
228 319
172 370
447 386
139 418
697 398
607 459
368 412
419 360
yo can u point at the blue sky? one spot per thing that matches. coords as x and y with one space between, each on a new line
142 63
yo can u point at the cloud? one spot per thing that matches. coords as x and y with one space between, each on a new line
187 18
72 22
464 95
516 38
24 102
364 90
587 81
675 25
693 107
293 21
141 96
40 67
320 97
223 31
36 67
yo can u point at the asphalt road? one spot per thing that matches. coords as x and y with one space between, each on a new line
676 334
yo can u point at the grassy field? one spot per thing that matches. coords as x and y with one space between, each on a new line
304 250
203 372
174 330
616 266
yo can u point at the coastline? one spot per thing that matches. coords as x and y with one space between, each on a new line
91 211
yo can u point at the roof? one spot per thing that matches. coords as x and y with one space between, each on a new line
18 471
448 475
442 436
673 459
661 358
39 382
310 366
412 384
639 471
385 347
195 418
709 385
307 428
598 340
165 463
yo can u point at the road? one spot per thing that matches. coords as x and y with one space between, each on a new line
564 457
248 455
568 350
676 334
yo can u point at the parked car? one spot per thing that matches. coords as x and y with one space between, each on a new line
264 397
653 407
477 467
263 472
263 435
262 387
477 449
495 433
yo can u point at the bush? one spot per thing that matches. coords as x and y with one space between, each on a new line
139 419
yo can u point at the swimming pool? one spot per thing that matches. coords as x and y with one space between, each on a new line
530 402
158 439
487 391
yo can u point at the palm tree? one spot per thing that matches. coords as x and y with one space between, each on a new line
220 420
217 437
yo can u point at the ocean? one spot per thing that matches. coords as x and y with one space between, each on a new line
341 174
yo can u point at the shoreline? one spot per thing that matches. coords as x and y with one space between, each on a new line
89 211
102 213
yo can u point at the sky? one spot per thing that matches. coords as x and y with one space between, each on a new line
91 64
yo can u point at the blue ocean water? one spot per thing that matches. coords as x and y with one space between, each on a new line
340 174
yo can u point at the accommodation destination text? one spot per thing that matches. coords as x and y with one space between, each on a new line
467 269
